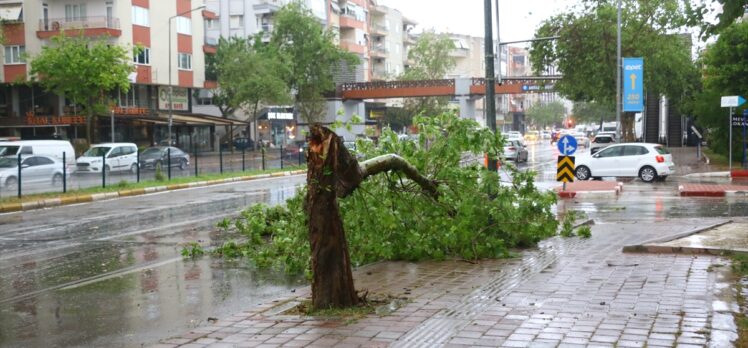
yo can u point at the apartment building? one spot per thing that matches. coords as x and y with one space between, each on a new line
141 113
390 38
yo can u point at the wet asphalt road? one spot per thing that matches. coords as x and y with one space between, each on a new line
110 273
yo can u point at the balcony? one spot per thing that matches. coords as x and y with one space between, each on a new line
88 26
379 30
378 51
350 22
352 46
378 10
268 6
408 38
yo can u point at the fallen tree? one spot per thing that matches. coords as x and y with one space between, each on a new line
411 200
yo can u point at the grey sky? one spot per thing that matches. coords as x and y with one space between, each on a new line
519 19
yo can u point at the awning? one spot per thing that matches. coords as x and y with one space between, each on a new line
11 12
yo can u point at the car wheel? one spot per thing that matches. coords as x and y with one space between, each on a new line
647 174
108 170
11 182
56 179
582 173
134 168
182 164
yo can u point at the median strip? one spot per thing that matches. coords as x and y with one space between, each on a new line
66 200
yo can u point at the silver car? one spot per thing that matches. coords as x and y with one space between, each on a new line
34 170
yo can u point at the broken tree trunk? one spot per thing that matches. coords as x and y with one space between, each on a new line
333 172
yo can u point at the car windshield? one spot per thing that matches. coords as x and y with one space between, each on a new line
662 150
8 150
96 151
8 162
603 140
152 151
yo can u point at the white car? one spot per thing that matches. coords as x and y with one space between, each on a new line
34 170
600 142
649 162
118 157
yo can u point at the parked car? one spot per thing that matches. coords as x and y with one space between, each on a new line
50 148
600 142
243 144
158 157
647 161
119 157
532 136
34 170
582 139
514 150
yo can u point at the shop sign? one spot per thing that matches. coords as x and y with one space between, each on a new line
180 98
132 111
34 120
280 115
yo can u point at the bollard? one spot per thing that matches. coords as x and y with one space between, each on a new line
243 152
19 175
195 150
137 171
220 158
64 174
263 158
103 171
168 162
281 154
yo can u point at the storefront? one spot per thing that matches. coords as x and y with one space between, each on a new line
277 126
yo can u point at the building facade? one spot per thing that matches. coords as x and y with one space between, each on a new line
160 28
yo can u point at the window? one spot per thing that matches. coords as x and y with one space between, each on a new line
75 12
211 24
140 16
115 153
634 151
143 57
184 25
610 152
15 54
236 21
40 161
185 61
519 60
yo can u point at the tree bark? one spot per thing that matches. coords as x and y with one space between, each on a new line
333 172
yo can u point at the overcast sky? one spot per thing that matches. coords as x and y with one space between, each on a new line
518 18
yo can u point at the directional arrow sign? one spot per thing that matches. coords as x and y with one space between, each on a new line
565 169
567 145
732 101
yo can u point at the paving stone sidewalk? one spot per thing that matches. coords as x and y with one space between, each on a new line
566 293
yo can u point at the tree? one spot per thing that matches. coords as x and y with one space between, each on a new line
85 71
431 60
591 112
725 73
585 52
546 114
249 74
699 12
311 55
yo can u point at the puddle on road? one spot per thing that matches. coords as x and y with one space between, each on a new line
140 307
132 287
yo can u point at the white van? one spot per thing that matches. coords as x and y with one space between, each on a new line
51 148
119 157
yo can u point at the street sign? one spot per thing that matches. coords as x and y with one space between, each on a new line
565 169
732 101
738 121
633 84
567 145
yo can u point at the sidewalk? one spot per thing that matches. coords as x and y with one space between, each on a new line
568 292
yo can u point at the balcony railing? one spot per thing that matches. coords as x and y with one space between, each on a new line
93 22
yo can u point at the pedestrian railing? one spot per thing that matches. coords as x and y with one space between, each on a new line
38 174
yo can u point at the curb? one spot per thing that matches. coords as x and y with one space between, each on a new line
708 175
592 193
95 197
739 173
712 193
649 246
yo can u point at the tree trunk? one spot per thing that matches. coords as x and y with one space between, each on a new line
332 282
332 173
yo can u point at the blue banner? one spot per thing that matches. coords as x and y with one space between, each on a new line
633 84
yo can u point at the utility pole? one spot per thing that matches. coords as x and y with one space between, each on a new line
618 75
490 80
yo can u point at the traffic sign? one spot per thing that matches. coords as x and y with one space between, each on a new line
732 101
633 84
565 169
567 145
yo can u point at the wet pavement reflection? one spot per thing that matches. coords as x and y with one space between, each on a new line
120 281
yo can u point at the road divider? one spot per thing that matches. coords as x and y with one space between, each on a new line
94 197
590 189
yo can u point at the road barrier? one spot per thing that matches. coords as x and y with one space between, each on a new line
62 174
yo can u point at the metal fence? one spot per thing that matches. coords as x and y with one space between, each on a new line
38 174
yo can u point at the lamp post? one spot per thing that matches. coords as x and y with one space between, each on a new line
618 74
171 107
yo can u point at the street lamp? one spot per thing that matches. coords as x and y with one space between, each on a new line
171 106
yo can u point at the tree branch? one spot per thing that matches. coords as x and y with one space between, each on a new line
389 162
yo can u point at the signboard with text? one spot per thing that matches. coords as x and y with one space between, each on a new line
180 97
633 84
